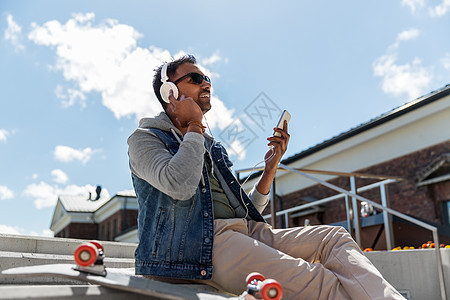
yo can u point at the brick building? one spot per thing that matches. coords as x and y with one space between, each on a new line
99 217
410 143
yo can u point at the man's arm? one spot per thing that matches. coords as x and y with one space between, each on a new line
175 175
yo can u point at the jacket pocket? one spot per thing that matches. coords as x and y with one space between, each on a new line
160 225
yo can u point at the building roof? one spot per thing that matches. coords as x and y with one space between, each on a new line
386 117
81 203
126 193
377 121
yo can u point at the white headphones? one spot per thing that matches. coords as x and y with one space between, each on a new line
167 85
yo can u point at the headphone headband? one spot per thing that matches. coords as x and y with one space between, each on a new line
164 76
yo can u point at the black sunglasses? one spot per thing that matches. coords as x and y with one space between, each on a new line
196 78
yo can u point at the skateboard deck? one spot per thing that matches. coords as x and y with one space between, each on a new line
117 279
90 268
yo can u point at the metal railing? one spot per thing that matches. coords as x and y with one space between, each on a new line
355 197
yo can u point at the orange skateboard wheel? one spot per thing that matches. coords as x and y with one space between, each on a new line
254 276
98 245
86 254
271 290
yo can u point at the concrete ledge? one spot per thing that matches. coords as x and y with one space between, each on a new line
32 244
18 251
74 292
413 271
15 259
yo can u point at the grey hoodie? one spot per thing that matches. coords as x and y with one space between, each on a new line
175 175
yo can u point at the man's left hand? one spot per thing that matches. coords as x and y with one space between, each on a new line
278 146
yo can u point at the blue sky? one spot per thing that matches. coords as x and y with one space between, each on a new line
75 78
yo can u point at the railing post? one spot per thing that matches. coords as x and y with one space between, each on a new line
387 218
356 225
439 264
349 215
272 206
286 220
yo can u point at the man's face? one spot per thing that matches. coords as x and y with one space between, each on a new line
200 93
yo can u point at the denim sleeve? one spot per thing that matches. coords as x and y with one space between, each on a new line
175 175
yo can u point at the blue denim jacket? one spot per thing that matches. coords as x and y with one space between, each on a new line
176 236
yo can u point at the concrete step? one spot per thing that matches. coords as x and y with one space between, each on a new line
73 292
87 292
18 251
32 244
15 259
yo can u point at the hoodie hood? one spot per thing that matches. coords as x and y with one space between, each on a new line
163 122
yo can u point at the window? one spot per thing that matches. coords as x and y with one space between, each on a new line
108 231
114 228
446 209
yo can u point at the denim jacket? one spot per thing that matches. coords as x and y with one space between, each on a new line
176 236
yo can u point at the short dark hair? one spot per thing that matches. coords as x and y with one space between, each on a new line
171 69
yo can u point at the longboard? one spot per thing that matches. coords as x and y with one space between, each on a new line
117 279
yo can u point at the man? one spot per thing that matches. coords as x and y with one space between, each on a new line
196 223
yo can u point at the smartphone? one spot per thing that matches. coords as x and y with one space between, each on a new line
285 115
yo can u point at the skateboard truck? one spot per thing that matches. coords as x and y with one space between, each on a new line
259 286
89 258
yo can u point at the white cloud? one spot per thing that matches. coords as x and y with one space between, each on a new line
70 96
237 149
59 176
68 154
3 135
9 229
20 231
407 35
219 115
446 61
404 36
104 58
414 4
211 60
411 79
46 195
441 9
5 193
13 33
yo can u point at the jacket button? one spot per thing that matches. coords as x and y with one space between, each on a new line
203 273
203 190
205 214
207 240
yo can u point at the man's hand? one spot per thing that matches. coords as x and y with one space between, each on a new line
278 148
184 110
272 158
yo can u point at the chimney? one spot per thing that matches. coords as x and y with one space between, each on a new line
98 190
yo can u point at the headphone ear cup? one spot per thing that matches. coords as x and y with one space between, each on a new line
165 89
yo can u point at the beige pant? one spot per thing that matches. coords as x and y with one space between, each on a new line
314 262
